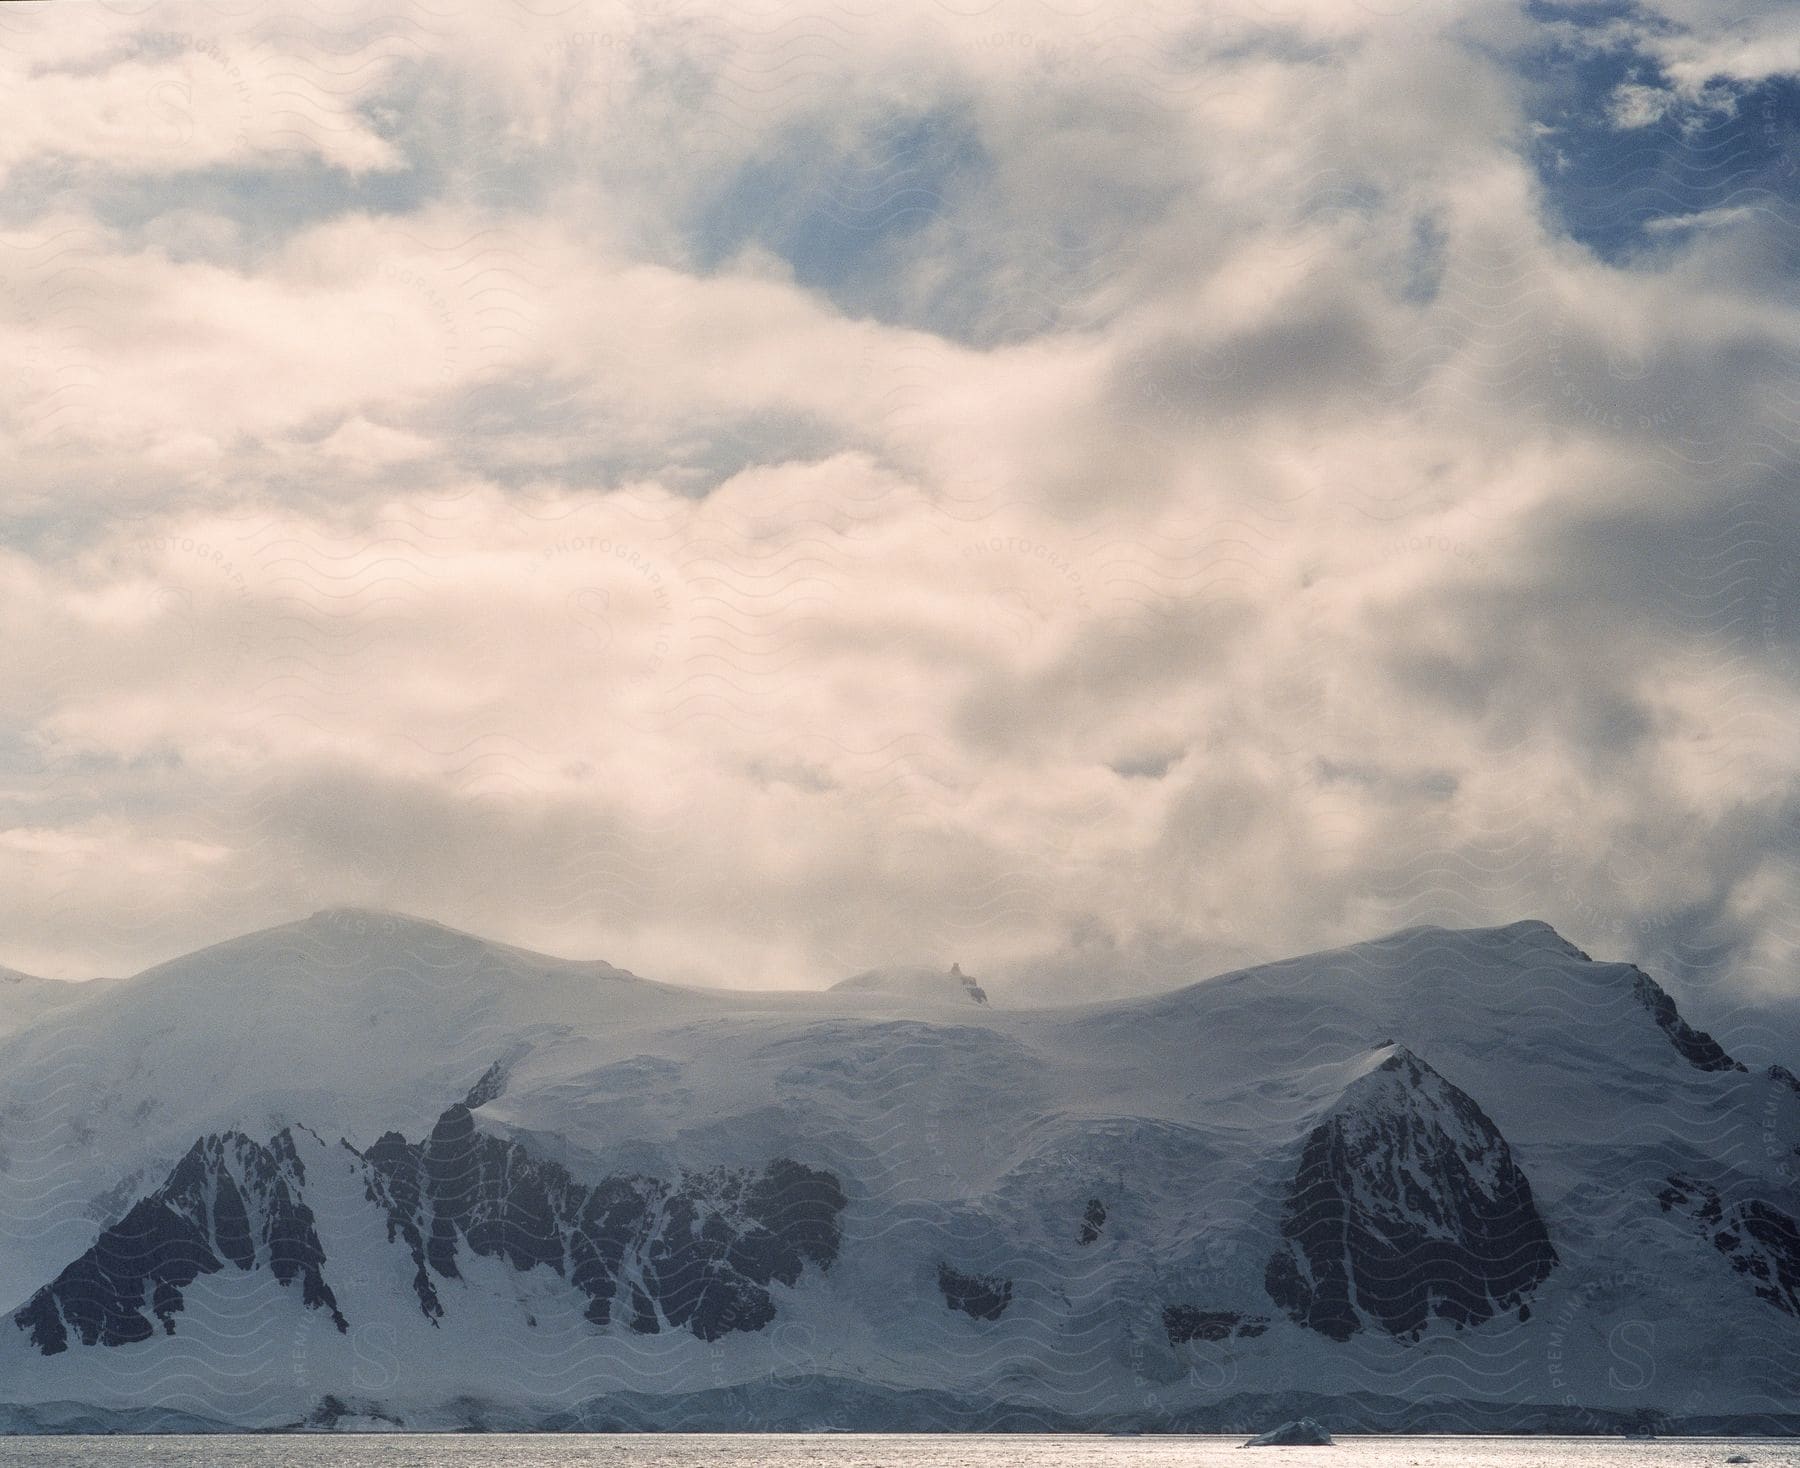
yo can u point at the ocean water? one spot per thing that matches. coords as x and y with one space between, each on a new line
874 1450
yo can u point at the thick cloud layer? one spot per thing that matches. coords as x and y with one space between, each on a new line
1097 493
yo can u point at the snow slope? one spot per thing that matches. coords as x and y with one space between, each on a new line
25 998
362 1169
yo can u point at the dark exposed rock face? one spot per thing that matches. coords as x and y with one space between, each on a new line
1406 1206
1697 1047
229 1201
491 1086
701 1251
705 1249
970 987
983 1296
333 1410
1093 1219
1761 1241
1184 1323
1699 1201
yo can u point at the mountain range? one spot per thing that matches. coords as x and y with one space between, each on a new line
368 1171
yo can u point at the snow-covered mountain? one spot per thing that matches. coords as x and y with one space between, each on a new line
366 1170
25 997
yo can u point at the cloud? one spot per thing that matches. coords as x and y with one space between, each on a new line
1107 498
116 94
1634 105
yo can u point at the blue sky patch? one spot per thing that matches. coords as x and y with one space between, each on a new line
1629 166
846 213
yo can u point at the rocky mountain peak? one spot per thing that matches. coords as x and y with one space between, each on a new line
1406 1206
228 1201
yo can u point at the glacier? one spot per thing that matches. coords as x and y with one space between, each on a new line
366 1171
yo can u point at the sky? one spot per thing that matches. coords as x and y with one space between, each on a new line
1099 492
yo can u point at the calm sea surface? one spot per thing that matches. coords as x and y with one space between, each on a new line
859 1450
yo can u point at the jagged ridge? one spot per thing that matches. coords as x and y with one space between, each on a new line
228 1201
1696 1047
700 1253
1760 1240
